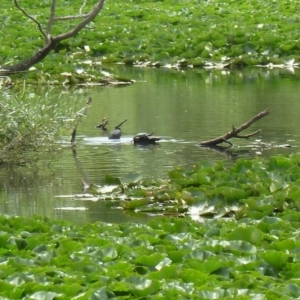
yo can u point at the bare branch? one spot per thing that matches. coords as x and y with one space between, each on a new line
51 18
93 13
235 131
80 16
50 41
31 18
246 136
82 6
65 18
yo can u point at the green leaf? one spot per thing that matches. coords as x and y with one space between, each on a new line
293 290
110 180
249 234
142 287
44 295
276 259
232 194
152 260
249 48
240 247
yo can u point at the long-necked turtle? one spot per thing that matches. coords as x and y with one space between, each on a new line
145 139
116 133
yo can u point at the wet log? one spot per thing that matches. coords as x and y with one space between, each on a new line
234 133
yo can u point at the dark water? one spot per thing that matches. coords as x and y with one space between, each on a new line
183 108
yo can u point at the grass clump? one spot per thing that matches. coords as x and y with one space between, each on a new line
31 125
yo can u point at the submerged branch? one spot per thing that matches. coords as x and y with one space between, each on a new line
235 131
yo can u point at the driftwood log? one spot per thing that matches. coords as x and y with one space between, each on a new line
234 133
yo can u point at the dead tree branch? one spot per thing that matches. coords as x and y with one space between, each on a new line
51 18
82 6
234 133
66 18
50 41
80 114
103 124
31 18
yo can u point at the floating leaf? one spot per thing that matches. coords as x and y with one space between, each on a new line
276 259
142 287
249 48
232 194
249 234
110 180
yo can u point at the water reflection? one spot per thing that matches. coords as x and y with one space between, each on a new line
183 108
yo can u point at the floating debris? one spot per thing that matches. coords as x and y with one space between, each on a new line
69 208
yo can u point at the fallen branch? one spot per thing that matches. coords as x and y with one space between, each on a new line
235 131
103 124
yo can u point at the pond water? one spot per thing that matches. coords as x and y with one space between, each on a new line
183 108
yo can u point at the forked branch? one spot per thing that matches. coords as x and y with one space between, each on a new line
50 41
234 133
31 18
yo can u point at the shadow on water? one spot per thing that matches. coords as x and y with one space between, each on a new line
183 108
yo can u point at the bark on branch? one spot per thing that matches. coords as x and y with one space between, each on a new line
234 133
50 41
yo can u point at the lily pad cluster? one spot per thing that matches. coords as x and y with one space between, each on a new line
181 34
249 188
203 33
164 259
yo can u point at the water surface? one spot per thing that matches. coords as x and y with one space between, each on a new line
183 108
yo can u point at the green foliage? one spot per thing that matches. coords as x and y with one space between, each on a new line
253 188
31 125
223 34
167 257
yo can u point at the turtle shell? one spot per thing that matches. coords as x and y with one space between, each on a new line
143 134
145 138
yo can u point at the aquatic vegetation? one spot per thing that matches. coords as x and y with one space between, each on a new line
249 188
167 257
181 34
227 231
31 125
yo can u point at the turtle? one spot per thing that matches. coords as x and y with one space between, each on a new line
145 139
116 133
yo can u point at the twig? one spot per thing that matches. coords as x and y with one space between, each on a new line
81 113
93 13
51 19
31 18
82 6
